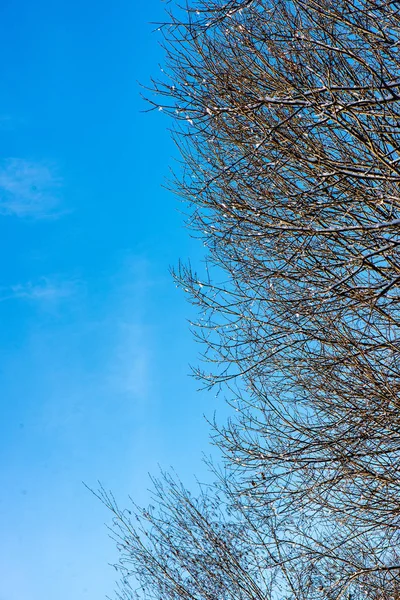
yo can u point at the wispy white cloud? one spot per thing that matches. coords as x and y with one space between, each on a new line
28 189
43 290
129 371
129 367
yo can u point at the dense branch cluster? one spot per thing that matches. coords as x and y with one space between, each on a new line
288 119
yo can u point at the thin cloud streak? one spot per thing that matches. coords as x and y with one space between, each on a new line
43 290
28 189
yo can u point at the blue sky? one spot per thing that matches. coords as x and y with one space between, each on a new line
94 341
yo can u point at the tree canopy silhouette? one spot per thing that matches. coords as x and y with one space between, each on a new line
287 115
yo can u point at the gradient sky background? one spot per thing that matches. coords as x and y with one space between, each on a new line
94 340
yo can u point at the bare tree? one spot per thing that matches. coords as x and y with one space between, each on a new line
287 115
211 545
289 134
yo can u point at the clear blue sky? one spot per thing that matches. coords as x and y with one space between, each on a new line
94 341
